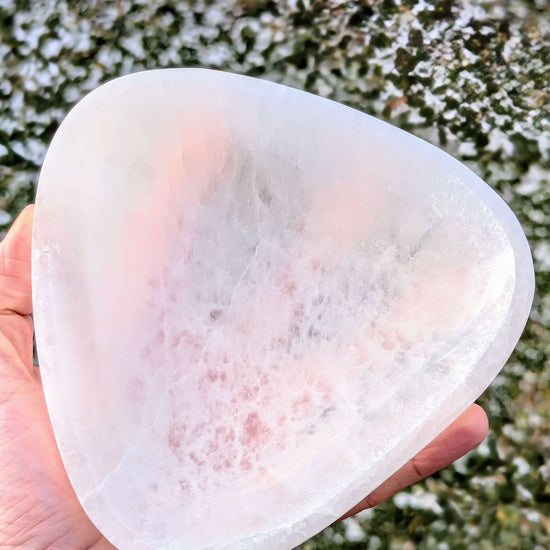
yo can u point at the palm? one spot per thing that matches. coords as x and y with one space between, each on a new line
38 507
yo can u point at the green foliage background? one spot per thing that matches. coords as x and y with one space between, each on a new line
471 77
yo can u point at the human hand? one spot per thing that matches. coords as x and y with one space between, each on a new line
38 507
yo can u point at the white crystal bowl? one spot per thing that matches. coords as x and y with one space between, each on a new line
253 305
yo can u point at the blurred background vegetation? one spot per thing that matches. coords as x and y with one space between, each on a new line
471 77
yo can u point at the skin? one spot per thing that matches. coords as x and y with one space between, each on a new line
38 507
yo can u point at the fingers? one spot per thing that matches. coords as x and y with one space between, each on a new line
15 266
464 434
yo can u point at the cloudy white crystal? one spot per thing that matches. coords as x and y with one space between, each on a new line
253 305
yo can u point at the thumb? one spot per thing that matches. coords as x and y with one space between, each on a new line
15 266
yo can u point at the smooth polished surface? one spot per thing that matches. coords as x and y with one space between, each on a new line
253 305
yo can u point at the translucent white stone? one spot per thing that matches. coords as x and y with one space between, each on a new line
253 305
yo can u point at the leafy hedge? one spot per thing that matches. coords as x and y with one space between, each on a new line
471 77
